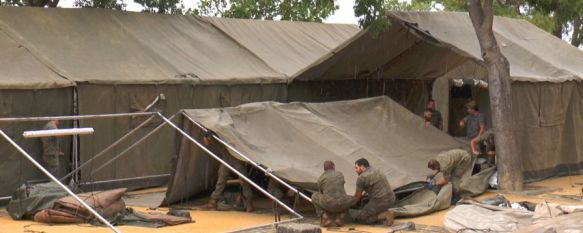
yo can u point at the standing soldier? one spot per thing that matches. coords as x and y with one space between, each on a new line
331 200
381 196
475 124
224 172
435 118
51 152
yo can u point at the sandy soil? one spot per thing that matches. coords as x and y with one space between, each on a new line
221 221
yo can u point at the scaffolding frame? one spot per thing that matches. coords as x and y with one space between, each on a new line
166 121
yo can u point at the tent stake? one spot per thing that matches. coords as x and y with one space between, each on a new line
22 151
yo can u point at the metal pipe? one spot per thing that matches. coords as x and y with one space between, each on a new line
264 225
97 116
133 145
231 168
126 179
101 219
57 132
255 164
77 168
5 198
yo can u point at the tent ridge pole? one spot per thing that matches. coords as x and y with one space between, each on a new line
53 178
255 164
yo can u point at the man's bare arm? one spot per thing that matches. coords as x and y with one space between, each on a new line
357 196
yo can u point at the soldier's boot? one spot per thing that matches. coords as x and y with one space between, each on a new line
388 217
340 219
211 205
325 221
248 205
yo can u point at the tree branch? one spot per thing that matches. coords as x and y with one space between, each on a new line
488 14
476 14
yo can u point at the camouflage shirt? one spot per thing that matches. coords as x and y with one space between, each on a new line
50 144
375 183
331 183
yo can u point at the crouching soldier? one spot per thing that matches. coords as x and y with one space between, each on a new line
381 196
455 164
331 202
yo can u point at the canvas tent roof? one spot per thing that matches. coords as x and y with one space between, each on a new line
294 139
65 46
20 70
284 45
427 45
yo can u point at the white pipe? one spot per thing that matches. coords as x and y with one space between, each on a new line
57 132
22 151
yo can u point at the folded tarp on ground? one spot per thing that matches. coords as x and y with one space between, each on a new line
294 139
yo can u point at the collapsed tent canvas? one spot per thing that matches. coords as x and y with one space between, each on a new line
294 139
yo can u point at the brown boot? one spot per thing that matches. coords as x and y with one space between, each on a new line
248 206
211 205
340 219
325 221
390 217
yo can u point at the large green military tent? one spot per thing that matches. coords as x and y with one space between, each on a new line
432 47
95 61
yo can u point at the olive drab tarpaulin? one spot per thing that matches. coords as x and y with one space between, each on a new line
295 139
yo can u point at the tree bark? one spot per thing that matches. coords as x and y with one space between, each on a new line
508 161
577 38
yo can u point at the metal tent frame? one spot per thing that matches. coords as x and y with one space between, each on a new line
166 121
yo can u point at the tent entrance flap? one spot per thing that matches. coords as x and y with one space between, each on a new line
232 169
265 170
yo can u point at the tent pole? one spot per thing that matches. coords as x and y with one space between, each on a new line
77 168
231 168
97 116
255 164
101 218
135 144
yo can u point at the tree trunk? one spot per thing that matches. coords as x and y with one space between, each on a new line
577 38
558 32
499 83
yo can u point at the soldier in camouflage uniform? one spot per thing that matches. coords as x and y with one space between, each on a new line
331 200
50 150
224 172
381 196
455 164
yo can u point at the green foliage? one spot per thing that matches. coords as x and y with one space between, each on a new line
372 15
295 10
162 6
31 3
106 4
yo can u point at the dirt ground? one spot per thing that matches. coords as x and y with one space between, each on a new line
567 190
